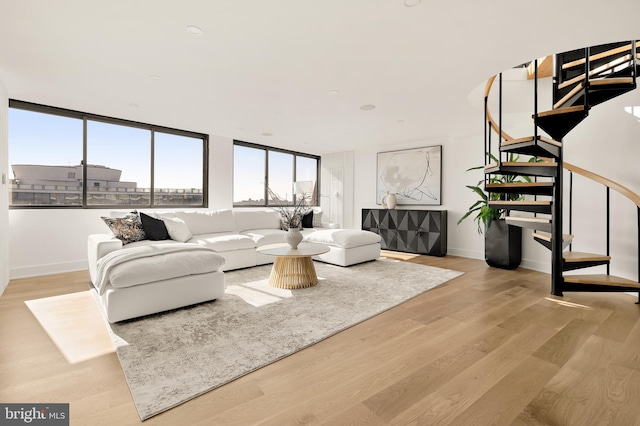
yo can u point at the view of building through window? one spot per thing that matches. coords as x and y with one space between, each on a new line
126 165
255 167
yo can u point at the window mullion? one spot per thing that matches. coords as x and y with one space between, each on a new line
152 190
85 191
266 177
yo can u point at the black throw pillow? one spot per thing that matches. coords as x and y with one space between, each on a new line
307 220
154 228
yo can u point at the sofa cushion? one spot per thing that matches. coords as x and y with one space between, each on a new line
222 242
344 238
177 229
256 219
263 237
208 222
164 267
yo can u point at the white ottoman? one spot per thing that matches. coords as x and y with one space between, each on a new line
346 246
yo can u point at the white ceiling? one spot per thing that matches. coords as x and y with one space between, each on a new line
269 66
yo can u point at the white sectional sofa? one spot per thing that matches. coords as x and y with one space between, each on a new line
231 236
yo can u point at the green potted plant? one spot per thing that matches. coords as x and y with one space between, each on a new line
503 242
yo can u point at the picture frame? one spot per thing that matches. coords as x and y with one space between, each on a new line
414 175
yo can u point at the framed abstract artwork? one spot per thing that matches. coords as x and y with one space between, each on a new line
413 175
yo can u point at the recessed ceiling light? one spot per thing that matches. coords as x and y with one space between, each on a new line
155 77
400 121
193 30
278 113
240 128
333 92
133 105
411 3
267 134
367 107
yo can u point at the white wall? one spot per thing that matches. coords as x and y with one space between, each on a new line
457 156
337 188
4 196
607 143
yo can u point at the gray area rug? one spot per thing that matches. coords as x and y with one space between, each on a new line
175 356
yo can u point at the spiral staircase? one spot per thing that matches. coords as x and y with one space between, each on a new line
582 79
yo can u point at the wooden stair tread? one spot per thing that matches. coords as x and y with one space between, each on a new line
596 71
527 219
577 256
558 111
601 279
597 56
547 236
531 202
521 164
519 185
529 139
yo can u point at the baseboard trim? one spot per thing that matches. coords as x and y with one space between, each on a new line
536 265
49 269
469 254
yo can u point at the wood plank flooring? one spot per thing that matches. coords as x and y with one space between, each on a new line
492 347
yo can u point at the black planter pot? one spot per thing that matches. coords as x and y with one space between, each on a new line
503 245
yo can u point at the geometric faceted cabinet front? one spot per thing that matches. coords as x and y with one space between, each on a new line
412 231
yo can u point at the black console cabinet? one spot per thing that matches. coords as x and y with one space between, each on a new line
412 231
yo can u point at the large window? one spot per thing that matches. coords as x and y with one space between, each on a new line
63 158
288 174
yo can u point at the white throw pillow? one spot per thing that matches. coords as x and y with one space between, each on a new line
177 229
317 219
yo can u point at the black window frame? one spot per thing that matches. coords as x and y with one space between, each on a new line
152 128
268 149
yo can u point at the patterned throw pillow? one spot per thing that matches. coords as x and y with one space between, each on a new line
128 229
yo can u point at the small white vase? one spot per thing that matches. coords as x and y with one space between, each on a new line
293 237
391 201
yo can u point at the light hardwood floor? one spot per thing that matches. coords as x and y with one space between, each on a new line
490 347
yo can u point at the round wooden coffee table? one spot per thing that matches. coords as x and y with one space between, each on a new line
293 268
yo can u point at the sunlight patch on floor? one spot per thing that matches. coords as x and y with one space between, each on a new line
394 255
74 324
568 304
258 295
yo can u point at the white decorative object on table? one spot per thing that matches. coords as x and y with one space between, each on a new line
293 237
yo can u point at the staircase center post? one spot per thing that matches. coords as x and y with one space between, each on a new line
557 280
